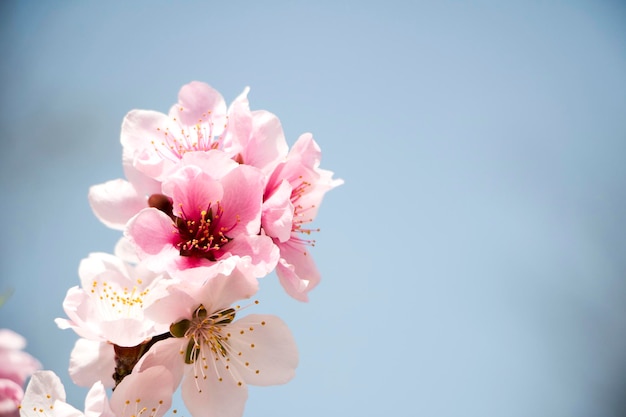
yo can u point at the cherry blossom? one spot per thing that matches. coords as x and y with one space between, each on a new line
109 305
209 211
214 354
212 200
292 198
153 143
45 396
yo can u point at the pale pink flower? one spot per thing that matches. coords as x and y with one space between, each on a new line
15 364
109 305
154 143
209 211
292 198
45 396
214 355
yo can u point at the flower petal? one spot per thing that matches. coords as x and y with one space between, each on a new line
92 361
97 402
277 218
267 144
199 102
210 397
296 270
263 351
261 250
151 232
115 202
45 393
243 196
140 392
192 191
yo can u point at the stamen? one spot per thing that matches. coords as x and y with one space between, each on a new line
174 144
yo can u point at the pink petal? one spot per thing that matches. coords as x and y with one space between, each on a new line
308 150
277 218
140 129
215 163
267 145
115 202
243 196
296 270
198 102
261 251
240 119
152 231
192 191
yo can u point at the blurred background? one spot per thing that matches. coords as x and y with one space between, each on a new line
474 262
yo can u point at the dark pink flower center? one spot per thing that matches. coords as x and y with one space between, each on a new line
199 235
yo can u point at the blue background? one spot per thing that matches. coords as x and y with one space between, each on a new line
473 263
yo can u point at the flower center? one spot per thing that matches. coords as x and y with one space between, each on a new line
200 137
204 330
199 236
117 301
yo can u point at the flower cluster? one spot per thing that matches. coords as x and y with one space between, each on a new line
213 200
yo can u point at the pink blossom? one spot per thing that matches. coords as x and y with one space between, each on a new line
15 364
292 198
154 143
209 211
214 355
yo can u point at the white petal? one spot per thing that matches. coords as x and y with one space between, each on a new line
45 395
92 361
263 350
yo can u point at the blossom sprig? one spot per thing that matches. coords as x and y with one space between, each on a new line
213 199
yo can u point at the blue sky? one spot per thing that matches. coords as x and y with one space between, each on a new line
474 260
